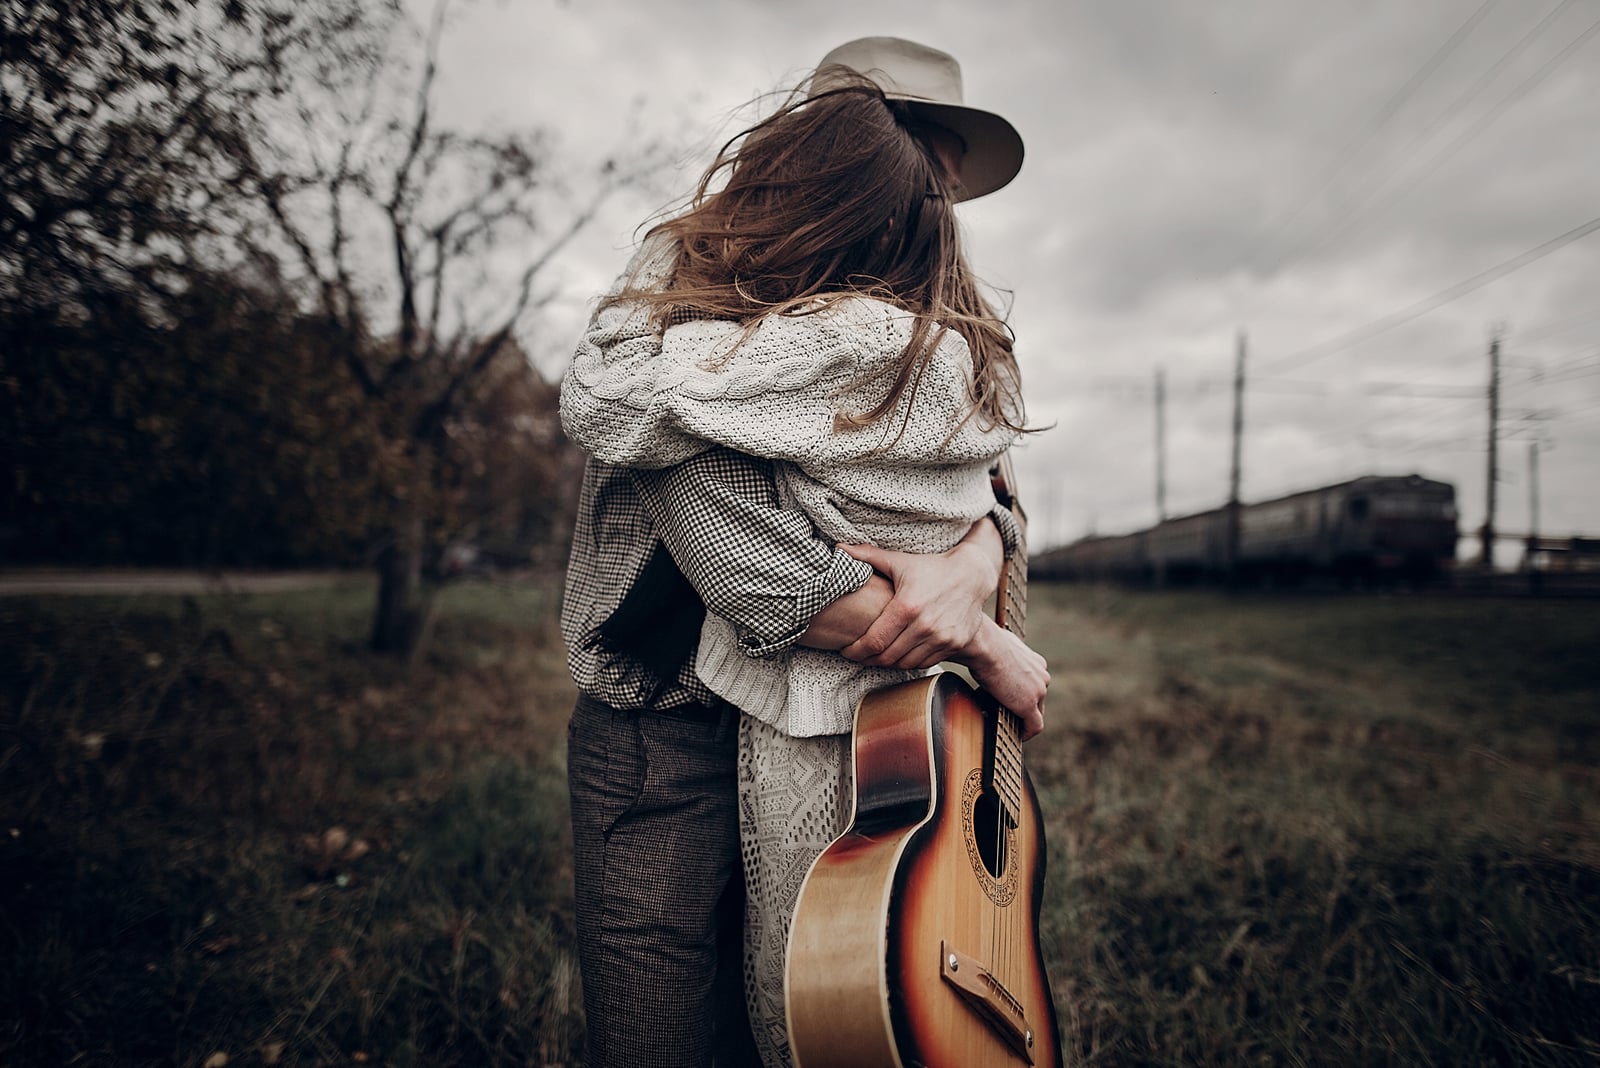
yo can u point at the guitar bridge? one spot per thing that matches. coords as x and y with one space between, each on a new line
989 997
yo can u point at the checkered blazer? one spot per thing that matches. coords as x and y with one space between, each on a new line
652 549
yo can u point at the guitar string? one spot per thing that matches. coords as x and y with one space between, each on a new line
1006 724
993 914
1005 933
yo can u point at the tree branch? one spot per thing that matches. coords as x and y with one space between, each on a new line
399 203
434 415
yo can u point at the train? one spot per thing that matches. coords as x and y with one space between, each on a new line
1377 529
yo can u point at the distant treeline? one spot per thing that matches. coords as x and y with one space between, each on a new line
224 428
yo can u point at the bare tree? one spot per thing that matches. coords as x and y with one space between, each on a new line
466 228
135 335
120 122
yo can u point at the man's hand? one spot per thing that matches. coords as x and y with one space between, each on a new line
938 602
1014 674
921 609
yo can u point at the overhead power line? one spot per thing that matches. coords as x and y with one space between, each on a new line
1589 371
1462 140
1589 357
1356 146
1580 411
1418 389
1452 410
1396 443
1287 385
1443 52
1422 307
1555 329
1492 72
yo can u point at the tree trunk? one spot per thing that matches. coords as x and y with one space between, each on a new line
403 619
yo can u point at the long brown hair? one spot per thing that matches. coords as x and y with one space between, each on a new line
837 194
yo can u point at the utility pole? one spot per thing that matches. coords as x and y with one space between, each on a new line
1232 550
1530 555
1161 445
1533 493
1494 450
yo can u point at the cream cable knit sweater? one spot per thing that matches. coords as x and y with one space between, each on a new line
633 398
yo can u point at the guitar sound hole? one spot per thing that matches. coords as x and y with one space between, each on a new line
988 830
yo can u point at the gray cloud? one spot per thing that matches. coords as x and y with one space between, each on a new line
1192 169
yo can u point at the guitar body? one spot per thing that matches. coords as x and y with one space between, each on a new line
915 937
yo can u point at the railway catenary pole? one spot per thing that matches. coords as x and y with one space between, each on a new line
1533 495
1494 450
1161 445
1530 555
1232 549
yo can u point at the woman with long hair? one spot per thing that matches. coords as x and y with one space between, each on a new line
809 313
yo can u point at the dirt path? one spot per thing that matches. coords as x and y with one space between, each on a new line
69 582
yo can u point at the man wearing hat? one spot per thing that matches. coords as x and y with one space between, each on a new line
798 362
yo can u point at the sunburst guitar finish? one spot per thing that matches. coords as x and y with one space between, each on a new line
915 937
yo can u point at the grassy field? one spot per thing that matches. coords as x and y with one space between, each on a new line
1283 831
229 830
1322 831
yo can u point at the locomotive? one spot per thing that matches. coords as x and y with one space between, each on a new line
1376 528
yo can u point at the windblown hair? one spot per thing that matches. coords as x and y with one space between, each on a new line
836 195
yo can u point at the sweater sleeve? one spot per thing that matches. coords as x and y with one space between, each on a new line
632 398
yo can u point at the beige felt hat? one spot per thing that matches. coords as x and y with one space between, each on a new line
931 81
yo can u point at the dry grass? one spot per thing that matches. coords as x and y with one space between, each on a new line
1338 831
228 829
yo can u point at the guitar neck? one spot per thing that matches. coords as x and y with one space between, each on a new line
1010 610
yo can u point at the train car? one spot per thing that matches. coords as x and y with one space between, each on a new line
1116 558
1402 526
1375 528
1370 528
1187 549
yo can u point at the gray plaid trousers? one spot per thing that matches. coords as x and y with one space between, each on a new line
658 890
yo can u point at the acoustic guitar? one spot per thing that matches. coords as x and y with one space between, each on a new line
915 938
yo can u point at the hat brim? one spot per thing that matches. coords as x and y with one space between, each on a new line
994 147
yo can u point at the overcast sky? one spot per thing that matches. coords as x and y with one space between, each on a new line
1316 175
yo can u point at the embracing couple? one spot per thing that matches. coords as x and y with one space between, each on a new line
792 401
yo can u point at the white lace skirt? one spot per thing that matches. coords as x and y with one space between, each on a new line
794 799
